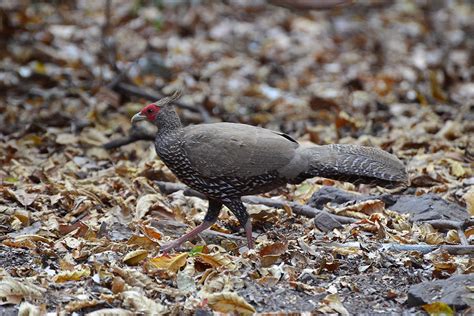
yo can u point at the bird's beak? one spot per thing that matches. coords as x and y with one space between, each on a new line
138 117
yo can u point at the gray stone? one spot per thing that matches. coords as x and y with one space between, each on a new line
324 222
428 207
422 208
452 291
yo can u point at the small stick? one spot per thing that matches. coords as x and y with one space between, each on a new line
136 133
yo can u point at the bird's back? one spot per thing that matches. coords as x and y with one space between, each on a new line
237 150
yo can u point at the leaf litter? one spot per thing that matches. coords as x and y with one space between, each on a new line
81 226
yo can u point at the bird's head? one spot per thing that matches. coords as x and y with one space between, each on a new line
151 111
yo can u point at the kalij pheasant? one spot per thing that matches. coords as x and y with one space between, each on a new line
226 161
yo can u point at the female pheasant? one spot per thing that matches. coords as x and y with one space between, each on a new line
226 161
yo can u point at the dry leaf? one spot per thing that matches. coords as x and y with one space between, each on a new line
143 242
151 232
333 304
142 304
66 139
217 260
438 308
228 302
77 305
469 198
185 278
360 210
111 312
133 277
270 253
170 262
75 275
457 169
118 285
22 197
133 258
144 203
27 309
13 291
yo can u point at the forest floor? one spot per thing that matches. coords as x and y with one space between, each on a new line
81 224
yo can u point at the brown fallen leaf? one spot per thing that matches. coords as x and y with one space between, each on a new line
469 198
143 242
359 210
151 232
22 197
111 312
142 304
75 275
77 305
13 291
269 254
170 262
333 304
228 302
217 260
135 257
31 310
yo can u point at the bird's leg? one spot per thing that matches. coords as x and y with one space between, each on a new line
238 209
211 217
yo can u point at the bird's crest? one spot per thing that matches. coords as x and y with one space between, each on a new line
169 99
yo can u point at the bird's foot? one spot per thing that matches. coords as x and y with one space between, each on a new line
193 233
169 246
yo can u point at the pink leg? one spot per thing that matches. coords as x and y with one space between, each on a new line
193 233
248 233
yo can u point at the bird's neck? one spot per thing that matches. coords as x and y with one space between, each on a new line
168 120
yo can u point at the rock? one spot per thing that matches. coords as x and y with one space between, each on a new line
452 291
324 222
334 195
428 207
422 208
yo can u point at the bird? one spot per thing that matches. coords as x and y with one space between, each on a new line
225 161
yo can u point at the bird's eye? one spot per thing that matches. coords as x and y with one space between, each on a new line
150 110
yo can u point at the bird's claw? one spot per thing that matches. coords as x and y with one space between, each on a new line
166 248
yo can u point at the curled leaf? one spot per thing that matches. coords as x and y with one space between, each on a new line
13 291
75 275
217 260
228 302
142 304
171 263
133 258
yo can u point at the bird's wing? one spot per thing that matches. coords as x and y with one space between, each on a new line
237 150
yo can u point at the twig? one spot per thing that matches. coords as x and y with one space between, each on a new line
168 187
457 225
153 95
208 232
311 4
451 249
448 224
136 133
108 43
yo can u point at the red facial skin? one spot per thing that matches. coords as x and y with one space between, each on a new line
150 111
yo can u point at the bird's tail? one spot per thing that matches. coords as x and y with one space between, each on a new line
356 164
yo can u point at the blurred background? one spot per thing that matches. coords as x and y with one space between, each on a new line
395 74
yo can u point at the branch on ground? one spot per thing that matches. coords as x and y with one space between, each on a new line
135 133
